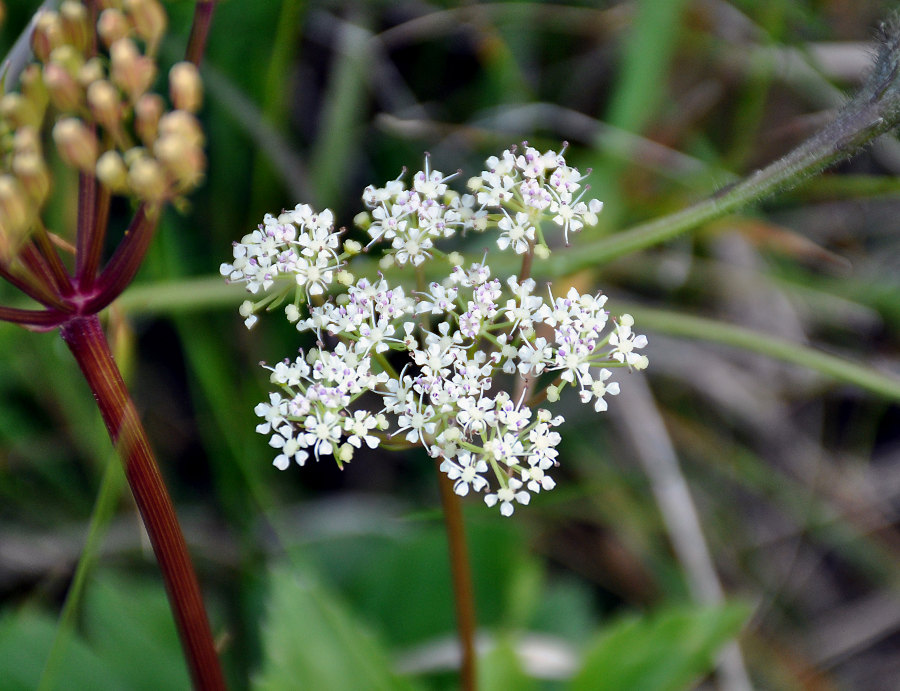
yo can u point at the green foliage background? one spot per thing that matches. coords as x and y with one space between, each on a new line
773 348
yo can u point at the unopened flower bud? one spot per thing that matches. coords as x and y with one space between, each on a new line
112 172
27 140
541 251
344 277
480 223
292 312
386 262
147 180
345 454
32 173
75 25
182 161
112 25
33 88
474 184
147 112
90 72
65 93
18 111
149 20
76 144
131 71
185 87
552 393
455 259
47 35
14 216
69 57
183 125
352 247
362 220
105 104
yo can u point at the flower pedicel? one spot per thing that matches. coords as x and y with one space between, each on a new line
451 338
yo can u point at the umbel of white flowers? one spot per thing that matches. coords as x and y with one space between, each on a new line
431 356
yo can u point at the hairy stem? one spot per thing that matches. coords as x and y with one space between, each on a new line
460 571
88 344
874 111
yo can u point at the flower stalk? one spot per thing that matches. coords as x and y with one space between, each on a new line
85 338
461 576
150 164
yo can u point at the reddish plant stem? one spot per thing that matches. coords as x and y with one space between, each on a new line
90 235
88 344
460 572
203 12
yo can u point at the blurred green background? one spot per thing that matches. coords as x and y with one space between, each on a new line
321 578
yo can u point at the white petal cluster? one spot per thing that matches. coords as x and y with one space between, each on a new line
537 185
412 219
300 245
434 368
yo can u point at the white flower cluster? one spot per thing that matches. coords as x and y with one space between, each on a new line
456 341
299 244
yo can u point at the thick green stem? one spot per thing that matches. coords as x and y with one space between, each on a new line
460 571
88 344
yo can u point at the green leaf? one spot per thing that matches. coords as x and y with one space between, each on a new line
312 642
501 670
25 640
130 625
665 651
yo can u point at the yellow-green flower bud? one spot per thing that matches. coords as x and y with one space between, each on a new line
112 172
47 35
29 167
344 277
362 220
33 88
181 124
27 140
474 184
182 161
129 70
90 72
112 26
14 215
185 87
455 259
352 247
345 454
149 20
17 111
147 180
105 104
75 25
65 93
77 145
147 112
541 251
552 393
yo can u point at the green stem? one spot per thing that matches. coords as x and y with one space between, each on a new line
460 571
84 337
840 369
874 111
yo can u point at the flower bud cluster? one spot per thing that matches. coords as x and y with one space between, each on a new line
431 367
105 121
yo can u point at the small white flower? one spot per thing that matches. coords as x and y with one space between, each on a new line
466 472
507 495
518 233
